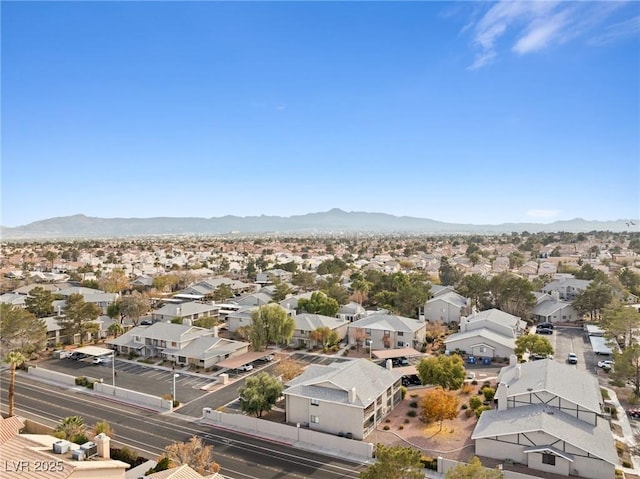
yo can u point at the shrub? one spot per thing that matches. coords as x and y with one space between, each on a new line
400 428
489 393
486 384
407 421
481 409
619 383
605 393
626 464
386 427
475 402
403 392
464 406
413 404
412 413
469 412
414 395
474 382
466 389
387 420
79 439
429 462
345 352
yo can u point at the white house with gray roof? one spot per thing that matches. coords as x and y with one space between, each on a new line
550 308
387 331
447 307
348 397
567 288
307 323
189 311
548 418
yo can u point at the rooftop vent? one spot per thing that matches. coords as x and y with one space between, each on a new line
78 455
60 447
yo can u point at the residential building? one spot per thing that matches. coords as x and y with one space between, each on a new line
447 308
550 308
386 331
307 323
349 397
189 311
548 418
567 288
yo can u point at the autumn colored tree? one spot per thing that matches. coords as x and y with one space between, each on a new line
438 405
195 454
103 427
134 306
289 369
359 336
115 281
395 462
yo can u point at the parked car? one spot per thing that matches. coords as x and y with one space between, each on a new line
606 364
545 325
540 330
634 413
246 367
266 358
77 356
572 358
146 322
102 360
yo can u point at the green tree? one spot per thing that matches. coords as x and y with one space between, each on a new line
620 322
250 269
134 306
533 344
476 288
79 317
21 330
512 294
333 266
40 302
630 280
13 359
588 272
115 329
473 470
50 256
438 405
282 290
305 280
395 462
270 324
627 366
222 293
445 371
260 393
449 274
103 427
71 428
319 303
594 299
325 336
337 292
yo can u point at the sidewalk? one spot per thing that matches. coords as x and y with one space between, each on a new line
628 436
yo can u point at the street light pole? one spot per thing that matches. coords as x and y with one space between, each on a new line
176 375
113 371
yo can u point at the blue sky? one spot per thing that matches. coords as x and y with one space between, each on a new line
467 112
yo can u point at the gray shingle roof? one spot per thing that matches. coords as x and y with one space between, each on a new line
388 322
335 381
557 378
483 334
596 440
310 322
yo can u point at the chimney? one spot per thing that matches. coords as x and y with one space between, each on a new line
103 442
352 395
513 360
463 324
501 396
215 331
518 371
555 295
178 311
389 364
474 311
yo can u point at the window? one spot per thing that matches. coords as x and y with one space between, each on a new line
174 344
315 402
400 344
315 419
483 349
367 331
400 333
548 459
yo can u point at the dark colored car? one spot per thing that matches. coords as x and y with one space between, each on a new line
540 330
634 413
77 356
545 325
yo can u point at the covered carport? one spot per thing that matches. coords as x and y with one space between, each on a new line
94 351
396 353
246 358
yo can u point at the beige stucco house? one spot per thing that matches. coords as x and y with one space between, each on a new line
386 331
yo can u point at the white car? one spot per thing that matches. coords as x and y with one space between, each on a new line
606 364
102 360
246 367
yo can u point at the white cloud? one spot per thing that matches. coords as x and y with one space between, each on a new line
543 213
535 25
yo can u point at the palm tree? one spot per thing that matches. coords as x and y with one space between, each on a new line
15 359
71 427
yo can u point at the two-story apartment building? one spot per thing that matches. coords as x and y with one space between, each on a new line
549 417
349 397
307 323
387 331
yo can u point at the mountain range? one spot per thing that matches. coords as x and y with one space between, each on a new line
335 221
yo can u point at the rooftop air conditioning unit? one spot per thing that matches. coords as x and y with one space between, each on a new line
78 455
90 449
60 447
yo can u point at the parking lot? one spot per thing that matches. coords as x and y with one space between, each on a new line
568 339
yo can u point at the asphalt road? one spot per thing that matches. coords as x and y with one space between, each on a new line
148 432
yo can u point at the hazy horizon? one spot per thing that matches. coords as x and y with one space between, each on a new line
460 112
